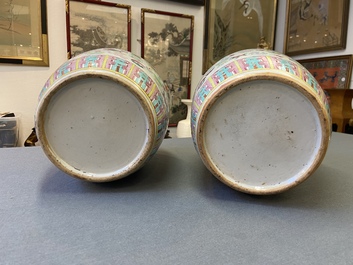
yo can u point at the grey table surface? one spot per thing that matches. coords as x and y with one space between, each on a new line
172 211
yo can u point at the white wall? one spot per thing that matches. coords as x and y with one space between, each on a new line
20 85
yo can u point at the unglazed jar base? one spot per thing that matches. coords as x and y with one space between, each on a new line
258 139
96 126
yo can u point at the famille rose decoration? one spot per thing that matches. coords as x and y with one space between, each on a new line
260 121
102 115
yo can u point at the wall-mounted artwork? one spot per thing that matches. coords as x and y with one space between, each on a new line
166 44
331 72
97 24
316 26
23 32
191 2
236 25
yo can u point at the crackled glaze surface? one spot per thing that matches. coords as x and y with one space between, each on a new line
102 115
260 121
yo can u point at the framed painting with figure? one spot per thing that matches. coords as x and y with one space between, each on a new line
331 72
315 26
236 25
94 24
166 43
23 32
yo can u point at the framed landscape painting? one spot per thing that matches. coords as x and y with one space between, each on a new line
97 24
166 43
316 26
23 32
236 25
331 72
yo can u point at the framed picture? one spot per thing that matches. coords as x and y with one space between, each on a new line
235 25
167 40
23 32
315 26
331 72
94 24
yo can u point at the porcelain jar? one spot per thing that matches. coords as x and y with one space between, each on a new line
102 115
260 121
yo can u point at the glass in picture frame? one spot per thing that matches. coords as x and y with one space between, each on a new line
97 24
166 43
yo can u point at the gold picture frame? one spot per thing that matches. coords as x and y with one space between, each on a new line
23 33
235 25
315 26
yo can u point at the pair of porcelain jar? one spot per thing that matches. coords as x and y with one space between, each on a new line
259 120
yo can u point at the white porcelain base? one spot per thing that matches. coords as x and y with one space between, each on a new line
262 137
96 129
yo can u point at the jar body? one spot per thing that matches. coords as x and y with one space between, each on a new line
102 115
260 121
